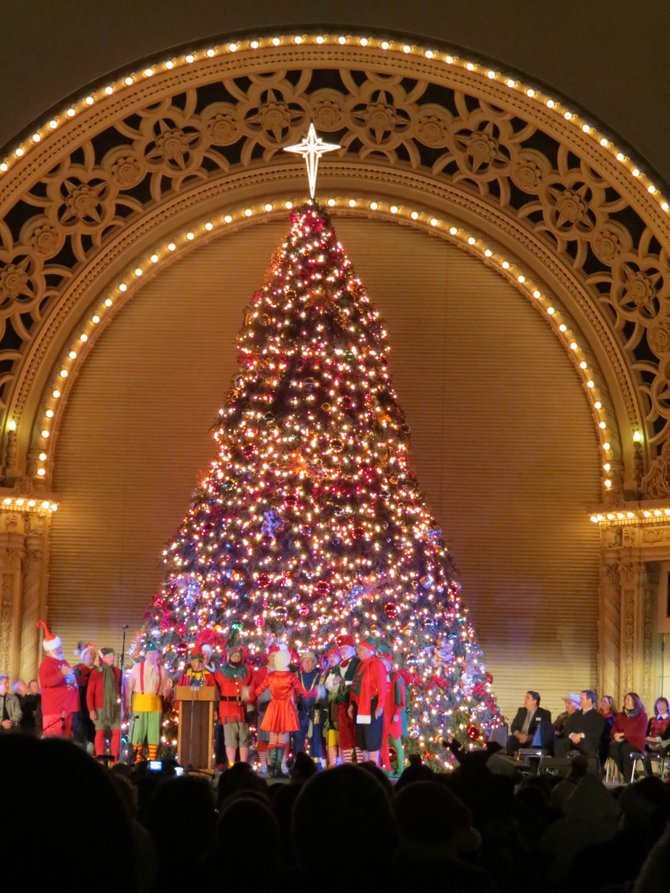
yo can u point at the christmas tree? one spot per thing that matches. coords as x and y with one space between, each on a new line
310 522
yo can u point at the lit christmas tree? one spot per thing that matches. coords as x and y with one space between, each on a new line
310 522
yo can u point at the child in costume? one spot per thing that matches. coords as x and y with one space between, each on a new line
103 699
281 717
346 670
394 726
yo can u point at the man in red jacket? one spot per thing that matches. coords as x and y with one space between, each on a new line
368 695
60 694
103 699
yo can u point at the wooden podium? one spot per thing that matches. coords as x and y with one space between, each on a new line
195 738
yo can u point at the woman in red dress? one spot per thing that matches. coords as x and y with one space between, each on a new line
281 717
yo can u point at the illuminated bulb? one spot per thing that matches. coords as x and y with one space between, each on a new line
590 383
71 113
232 47
95 319
586 128
351 202
472 240
11 425
42 457
635 172
521 279
665 206
83 337
511 83
562 327
64 373
364 42
582 365
606 446
414 215
573 345
41 472
598 405
45 433
211 53
138 271
331 203
341 40
169 64
470 66
108 302
385 45
73 355
228 218
45 504
637 436
620 156
49 413
320 39
4 167
268 206
373 206
452 230
190 236
154 258
429 54
602 425
55 394
128 81
488 253
123 287
36 137
209 227
551 311
255 44
172 247
407 49
505 265
530 92
607 482
190 58
19 152
248 212
550 103
53 124
604 143
651 188
567 116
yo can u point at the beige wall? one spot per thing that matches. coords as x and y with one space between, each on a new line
504 444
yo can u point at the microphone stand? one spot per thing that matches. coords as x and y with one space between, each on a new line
123 677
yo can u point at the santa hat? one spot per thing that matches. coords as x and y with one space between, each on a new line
103 652
83 647
50 642
345 639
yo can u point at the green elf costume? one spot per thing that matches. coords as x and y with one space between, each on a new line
146 685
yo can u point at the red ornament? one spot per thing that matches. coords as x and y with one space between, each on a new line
249 450
181 648
391 610
303 610
473 733
263 580
259 621
322 588
489 676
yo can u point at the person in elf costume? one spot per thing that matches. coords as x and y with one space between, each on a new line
60 694
346 669
281 717
309 710
394 726
146 685
261 703
103 699
368 697
232 679
195 673
83 730
331 681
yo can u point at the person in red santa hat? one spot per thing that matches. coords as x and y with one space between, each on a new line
103 699
395 715
83 730
345 670
60 694
368 697
281 717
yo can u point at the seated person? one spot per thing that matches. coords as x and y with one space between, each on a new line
572 702
583 729
529 720
628 733
658 732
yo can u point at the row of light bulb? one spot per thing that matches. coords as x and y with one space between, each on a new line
477 246
555 106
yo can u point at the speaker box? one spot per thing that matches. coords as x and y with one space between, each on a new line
558 766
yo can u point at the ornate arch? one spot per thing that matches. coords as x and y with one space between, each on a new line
95 188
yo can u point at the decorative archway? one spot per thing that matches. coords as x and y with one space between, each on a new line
149 159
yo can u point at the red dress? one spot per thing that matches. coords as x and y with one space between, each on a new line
281 714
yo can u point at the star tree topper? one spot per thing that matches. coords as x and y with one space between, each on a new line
312 147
